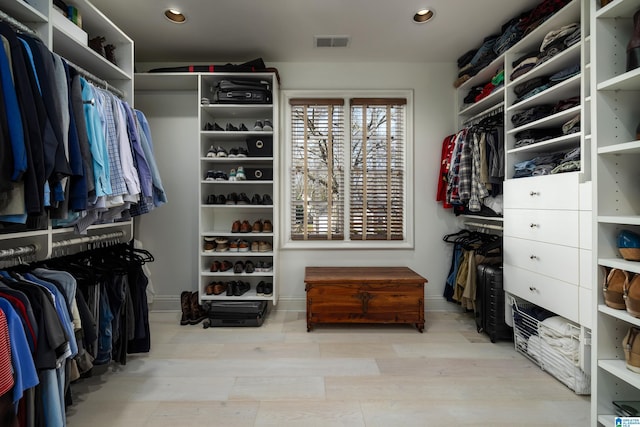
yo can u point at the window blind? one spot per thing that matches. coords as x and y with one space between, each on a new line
377 177
317 169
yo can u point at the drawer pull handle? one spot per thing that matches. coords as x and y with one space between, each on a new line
532 288
533 257
534 193
533 225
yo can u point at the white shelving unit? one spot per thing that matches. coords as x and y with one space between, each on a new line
615 117
38 16
216 220
546 218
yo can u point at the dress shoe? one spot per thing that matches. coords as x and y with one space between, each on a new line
266 200
260 288
231 128
631 347
257 227
231 288
238 267
267 227
235 228
245 227
215 266
256 199
219 288
225 265
241 288
615 281
632 295
268 289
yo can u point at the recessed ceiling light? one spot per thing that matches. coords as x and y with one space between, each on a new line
175 16
423 15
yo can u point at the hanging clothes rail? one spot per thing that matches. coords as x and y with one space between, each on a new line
115 236
16 24
98 81
18 251
483 225
489 112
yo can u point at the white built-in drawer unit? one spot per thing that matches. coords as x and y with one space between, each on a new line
554 295
542 192
556 261
552 226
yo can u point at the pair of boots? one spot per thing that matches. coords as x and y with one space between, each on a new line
622 290
192 311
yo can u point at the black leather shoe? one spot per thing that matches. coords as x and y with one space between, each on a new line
266 200
242 288
256 199
243 199
231 128
231 288
238 268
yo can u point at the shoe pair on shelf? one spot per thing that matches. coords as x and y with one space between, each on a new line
241 226
239 245
264 267
622 290
266 126
264 289
244 267
213 127
215 244
261 200
216 176
221 266
216 152
237 174
262 226
261 246
237 199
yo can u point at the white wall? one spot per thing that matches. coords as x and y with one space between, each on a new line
170 231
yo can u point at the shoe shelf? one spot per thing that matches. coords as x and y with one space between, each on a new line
217 220
615 113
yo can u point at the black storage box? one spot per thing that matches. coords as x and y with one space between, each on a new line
258 174
260 146
236 313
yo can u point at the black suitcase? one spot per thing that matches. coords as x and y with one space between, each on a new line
490 299
235 313
242 91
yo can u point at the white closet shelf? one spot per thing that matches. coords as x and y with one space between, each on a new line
619 369
632 147
617 9
549 121
555 144
565 89
486 103
626 81
619 314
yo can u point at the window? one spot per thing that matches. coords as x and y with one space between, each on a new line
349 178
377 169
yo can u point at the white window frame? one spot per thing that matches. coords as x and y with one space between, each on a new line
285 168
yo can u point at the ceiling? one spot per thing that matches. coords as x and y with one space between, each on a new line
235 31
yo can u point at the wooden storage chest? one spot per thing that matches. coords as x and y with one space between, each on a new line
364 295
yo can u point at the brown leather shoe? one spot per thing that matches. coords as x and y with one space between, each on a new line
209 289
215 266
267 227
235 228
632 295
197 313
245 227
631 347
219 288
615 281
185 304
226 265
257 227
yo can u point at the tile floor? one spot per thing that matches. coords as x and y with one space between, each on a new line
338 375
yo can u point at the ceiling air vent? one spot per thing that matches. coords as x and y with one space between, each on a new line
331 41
